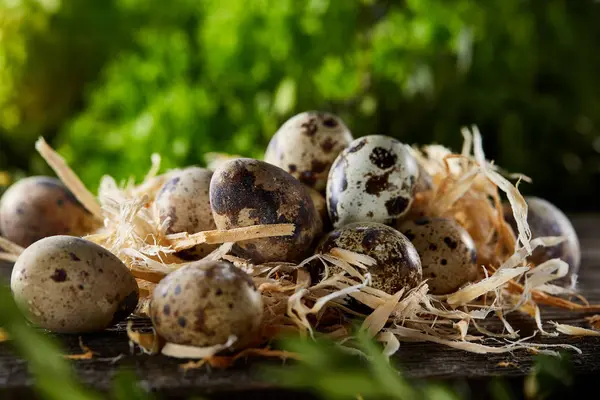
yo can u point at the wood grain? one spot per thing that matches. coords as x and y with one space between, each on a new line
417 360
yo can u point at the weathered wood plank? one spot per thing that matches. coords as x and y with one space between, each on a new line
419 360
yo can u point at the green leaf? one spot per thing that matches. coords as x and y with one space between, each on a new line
126 387
285 97
53 376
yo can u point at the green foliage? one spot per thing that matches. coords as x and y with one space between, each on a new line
50 50
334 374
190 77
550 377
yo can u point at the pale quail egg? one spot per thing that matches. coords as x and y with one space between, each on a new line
205 303
447 252
372 180
184 201
71 285
397 262
306 145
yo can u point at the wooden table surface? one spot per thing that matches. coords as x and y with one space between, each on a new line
417 360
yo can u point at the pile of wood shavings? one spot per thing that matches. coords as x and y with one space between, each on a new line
466 187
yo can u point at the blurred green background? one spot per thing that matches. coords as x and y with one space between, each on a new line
108 82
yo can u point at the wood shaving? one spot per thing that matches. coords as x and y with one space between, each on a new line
69 178
575 330
87 354
149 343
10 247
594 321
193 352
183 241
8 257
507 364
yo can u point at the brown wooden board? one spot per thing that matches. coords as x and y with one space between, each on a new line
417 360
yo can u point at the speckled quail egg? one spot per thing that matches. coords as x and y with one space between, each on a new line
246 192
447 252
41 206
372 180
397 262
545 219
71 285
184 201
306 145
206 302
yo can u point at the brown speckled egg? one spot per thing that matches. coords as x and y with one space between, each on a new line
184 201
545 219
398 264
246 192
306 145
447 252
70 285
204 303
372 180
41 206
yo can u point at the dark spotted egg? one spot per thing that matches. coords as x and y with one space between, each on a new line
71 285
397 262
306 145
372 180
545 219
447 252
246 192
41 206
183 204
205 303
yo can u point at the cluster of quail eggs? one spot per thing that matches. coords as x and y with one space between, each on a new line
336 190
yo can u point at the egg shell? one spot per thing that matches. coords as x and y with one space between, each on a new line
306 145
204 303
447 252
397 262
71 285
40 206
246 192
545 219
372 180
184 201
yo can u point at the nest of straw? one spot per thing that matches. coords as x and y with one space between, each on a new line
466 187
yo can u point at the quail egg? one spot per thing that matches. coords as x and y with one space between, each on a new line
246 192
397 262
447 252
372 180
206 302
41 206
70 285
184 204
306 145
545 219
